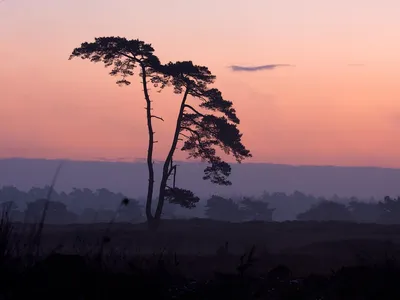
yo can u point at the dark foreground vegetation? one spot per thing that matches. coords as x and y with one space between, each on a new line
74 277
338 248
201 259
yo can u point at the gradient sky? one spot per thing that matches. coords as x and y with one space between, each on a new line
324 110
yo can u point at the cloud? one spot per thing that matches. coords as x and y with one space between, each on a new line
257 68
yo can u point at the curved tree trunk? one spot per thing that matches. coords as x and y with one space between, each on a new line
150 167
167 162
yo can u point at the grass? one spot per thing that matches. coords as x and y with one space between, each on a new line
291 260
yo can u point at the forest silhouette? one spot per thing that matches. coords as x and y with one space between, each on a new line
102 205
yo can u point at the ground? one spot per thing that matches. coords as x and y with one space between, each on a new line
203 246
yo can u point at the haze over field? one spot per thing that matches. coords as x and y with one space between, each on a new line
248 179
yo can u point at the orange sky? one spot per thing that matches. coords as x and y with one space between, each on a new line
322 111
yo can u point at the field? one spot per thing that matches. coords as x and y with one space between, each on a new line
202 259
203 246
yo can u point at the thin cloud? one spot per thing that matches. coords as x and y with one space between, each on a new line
235 68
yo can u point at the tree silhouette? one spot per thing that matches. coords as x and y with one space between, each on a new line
124 56
57 212
326 211
390 208
201 133
256 210
8 205
220 208
11 193
79 199
365 211
9 210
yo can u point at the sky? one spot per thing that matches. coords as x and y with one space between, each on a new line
330 96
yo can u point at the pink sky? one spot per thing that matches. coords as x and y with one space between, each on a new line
322 111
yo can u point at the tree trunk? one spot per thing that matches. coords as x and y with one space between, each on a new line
150 167
167 162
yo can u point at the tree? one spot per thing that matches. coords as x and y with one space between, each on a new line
11 193
219 208
390 208
282 203
9 210
36 193
365 211
326 211
8 206
79 199
57 212
256 210
201 133
124 56
106 199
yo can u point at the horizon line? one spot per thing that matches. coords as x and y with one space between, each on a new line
142 161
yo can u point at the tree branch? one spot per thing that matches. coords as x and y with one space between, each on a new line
194 110
172 168
159 118
130 57
193 132
184 135
201 126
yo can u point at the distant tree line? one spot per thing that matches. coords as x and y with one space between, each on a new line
101 205
247 209
72 207
383 212
264 208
